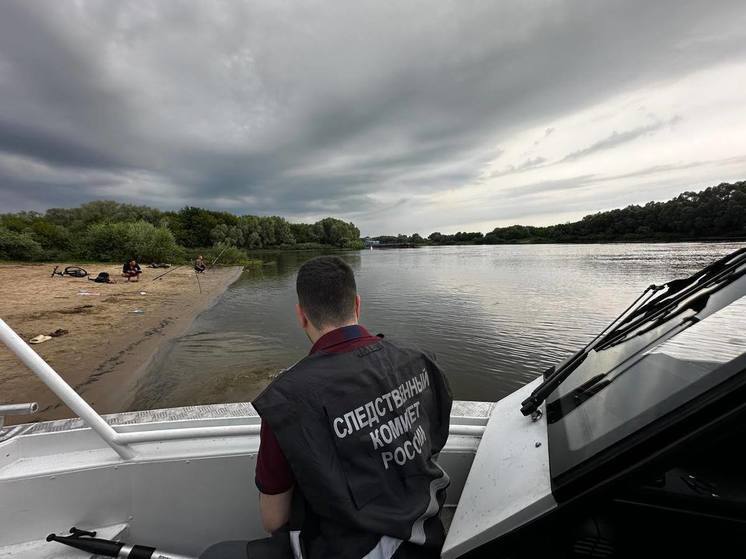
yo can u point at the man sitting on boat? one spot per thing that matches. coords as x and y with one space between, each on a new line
346 465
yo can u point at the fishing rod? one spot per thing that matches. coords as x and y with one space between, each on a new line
218 256
163 274
88 542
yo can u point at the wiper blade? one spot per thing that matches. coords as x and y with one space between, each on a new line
662 309
678 289
647 307
569 402
563 405
556 377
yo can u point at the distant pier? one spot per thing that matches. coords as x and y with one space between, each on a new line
376 245
394 245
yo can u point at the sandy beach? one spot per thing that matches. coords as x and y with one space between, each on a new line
113 330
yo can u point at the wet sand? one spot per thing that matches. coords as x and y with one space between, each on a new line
107 346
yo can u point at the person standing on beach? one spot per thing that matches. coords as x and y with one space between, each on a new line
346 465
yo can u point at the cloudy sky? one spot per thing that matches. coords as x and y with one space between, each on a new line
400 116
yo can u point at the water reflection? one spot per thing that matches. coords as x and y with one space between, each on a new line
496 316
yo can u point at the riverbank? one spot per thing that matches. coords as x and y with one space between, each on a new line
113 330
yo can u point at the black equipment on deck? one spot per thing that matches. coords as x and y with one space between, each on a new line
86 541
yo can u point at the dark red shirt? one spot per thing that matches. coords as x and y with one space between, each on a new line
273 473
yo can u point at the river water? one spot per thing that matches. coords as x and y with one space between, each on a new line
496 316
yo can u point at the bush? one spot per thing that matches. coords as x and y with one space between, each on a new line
18 246
117 242
357 244
229 255
51 237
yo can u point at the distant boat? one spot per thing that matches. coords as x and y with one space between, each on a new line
629 448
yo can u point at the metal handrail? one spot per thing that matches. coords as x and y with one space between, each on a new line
15 409
19 409
62 390
238 430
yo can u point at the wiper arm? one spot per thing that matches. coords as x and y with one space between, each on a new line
555 377
721 271
564 405
676 290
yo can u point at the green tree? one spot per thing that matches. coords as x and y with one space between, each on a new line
113 242
338 233
18 246
227 234
192 227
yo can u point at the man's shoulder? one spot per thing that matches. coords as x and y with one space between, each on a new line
288 377
408 347
283 374
308 371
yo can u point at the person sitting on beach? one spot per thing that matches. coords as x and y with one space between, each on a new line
199 265
347 464
131 270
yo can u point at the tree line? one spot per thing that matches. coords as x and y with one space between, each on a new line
718 212
112 231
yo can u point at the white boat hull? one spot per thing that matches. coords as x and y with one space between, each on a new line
178 493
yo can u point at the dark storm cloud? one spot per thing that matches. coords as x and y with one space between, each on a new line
27 193
310 109
53 148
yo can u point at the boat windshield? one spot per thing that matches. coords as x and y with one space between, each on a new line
677 341
658 314
611 407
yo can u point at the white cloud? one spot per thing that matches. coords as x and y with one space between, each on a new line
692 134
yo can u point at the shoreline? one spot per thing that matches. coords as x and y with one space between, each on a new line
580 242
108 347
150 346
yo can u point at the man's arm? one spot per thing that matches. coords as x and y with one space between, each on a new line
275 482
275 510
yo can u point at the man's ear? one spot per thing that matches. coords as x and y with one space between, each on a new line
301 316
357 307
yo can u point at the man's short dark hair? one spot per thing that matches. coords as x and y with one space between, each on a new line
326 291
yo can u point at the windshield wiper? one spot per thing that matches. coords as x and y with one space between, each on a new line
555 377
564 405
646 308
720 273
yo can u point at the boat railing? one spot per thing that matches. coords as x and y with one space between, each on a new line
29 408
120 441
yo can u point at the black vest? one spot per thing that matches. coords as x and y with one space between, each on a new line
360 430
